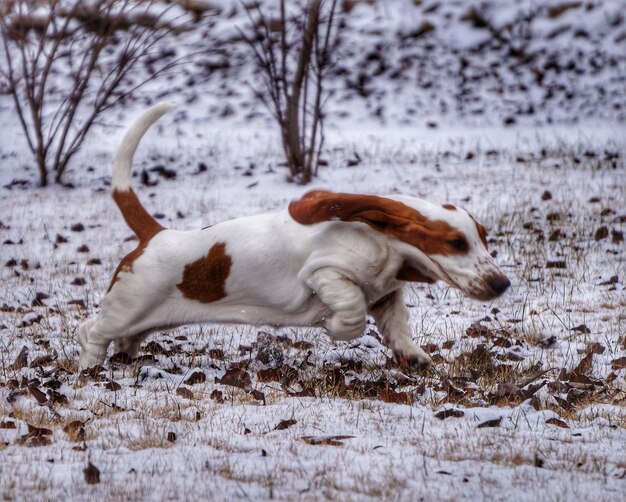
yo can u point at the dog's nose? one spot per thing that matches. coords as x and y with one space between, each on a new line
499 284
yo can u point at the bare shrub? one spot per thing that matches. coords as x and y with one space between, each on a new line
293 55
67 62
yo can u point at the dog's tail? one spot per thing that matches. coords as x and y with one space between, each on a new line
137 218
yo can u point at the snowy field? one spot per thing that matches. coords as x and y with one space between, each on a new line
526 399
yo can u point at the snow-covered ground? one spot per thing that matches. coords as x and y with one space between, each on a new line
527 405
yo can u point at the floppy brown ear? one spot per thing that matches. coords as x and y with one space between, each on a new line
378 212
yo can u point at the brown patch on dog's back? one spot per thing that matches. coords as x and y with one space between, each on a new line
450 207
204 280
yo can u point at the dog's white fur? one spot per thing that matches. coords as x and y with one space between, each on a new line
329 274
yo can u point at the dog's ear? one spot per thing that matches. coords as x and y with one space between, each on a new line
378 212
384 215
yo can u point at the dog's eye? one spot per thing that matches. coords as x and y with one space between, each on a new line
459 244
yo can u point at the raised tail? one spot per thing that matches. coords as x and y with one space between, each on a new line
137 218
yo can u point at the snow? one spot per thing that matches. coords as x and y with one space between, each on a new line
232 449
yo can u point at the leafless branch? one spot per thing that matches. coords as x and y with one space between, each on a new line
74 42
292 65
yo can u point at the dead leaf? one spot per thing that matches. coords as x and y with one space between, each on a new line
258 395
7 424
584 366
21 360
43 360
217 396
302 345
156 348
561 264
75 431
477 330
495 422
450 412
595 348
92 474
38 394
325 440
236 377
217 354
391 396
618 364
285 424
111 385
184 392
305 392
195 378
269 375
557 422
582 328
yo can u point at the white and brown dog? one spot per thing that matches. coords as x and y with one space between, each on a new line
329 260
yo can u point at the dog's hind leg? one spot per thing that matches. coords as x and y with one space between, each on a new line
130 344
94 348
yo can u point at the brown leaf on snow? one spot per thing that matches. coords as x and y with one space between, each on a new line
217 354
582 328
450 412
156 349
557 422
556 264
584 366
21 360
595 348
305 392
75 431
302 345
111 385
235 378
92 474
269 375
490 423
563 403
325 440
366 388
7 424
195 378
37 436
258 395
217 396
476 330
38 394
618 364
285 424
43 360
184 392
391 396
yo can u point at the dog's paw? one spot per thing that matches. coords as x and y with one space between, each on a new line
413 359
345 328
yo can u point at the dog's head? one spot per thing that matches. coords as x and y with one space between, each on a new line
437 242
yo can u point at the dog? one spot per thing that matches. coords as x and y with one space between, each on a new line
328 260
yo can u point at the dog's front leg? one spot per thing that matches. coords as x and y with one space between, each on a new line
392 320
346 301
